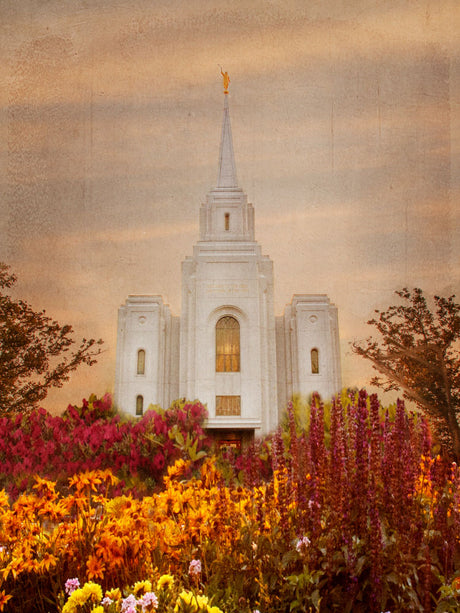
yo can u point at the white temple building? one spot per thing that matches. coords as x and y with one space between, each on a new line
227 349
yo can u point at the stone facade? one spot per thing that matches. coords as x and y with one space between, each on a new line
227 349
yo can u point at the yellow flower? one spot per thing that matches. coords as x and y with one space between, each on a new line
141 587
91 592
98 609
214 609
185 598
165 581
4 500
202 601
114 594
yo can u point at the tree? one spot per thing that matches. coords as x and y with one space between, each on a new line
418 353
35 351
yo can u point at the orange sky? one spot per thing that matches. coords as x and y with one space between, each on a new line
345 122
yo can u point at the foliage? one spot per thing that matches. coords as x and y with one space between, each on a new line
35 352
418 353
93 437
369 522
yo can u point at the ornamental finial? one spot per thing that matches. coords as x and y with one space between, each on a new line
226 80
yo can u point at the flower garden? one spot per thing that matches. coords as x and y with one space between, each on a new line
352 512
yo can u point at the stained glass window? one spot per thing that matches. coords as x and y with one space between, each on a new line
227 345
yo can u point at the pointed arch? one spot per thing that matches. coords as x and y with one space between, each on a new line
227 344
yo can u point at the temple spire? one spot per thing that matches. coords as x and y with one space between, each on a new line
227 170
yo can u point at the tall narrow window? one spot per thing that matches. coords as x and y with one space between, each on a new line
141 362
314 355
227 221
140 405
227 345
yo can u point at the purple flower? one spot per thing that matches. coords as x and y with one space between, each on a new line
71 585
195 567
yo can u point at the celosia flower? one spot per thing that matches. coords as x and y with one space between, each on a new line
195 567
165 581
97 609
71 585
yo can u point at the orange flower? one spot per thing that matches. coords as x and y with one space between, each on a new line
4 599
95 567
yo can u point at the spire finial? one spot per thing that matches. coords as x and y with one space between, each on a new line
226 79
227 169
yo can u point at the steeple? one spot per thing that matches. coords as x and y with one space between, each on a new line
227 168
226 216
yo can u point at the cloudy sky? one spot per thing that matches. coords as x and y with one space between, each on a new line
345 118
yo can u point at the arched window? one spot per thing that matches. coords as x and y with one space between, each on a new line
140 405
141 362
227 345
227 221
314 356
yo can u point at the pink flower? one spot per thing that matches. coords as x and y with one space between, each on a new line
128 604
148 600
71 585
195 567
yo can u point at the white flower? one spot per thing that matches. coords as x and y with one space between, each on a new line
302 544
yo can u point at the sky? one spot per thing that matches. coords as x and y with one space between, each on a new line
345 120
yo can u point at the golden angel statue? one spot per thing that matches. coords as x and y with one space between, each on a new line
226 79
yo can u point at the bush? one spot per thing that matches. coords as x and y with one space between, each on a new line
93 437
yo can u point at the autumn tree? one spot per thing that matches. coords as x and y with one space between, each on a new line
36 352
418 353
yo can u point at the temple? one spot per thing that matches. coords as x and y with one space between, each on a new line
227 348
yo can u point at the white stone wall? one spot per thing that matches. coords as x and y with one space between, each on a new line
145 322
230 280
309 322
